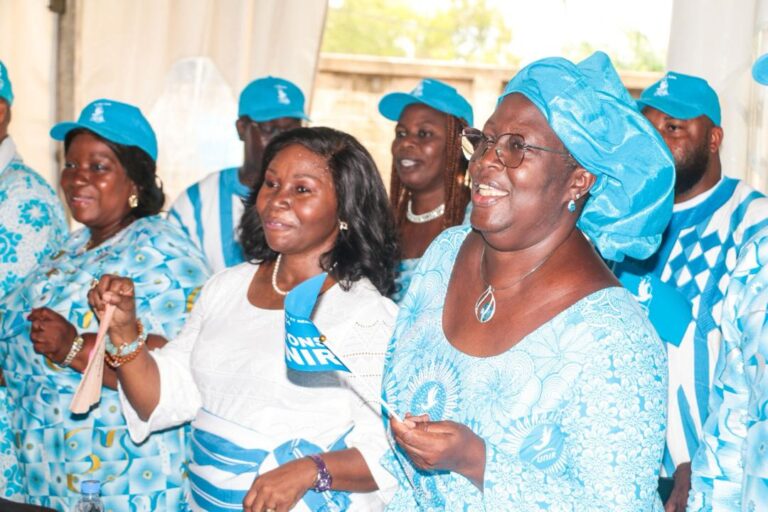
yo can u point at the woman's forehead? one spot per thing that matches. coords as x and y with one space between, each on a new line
299 160
517 114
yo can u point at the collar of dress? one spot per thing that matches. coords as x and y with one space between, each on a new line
7 153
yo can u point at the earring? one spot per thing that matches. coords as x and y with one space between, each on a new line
133 200
571 206
343 226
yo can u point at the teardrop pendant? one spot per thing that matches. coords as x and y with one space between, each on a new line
485 307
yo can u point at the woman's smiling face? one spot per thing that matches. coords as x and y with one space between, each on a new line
297 203
96 185
418 149
518 207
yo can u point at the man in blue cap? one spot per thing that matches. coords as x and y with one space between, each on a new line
713 217
31 227
210 210
728 471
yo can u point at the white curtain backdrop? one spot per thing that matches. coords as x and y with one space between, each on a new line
125 50
719 41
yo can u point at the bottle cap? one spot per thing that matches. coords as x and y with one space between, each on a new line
90 487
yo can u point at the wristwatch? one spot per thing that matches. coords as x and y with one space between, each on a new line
323 480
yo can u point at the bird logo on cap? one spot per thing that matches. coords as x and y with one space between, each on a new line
282 97
663 88
98 114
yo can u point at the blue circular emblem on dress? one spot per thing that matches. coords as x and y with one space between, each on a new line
542 446
429 398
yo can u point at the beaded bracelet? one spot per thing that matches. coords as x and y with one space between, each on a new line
118 356
77 346
118 361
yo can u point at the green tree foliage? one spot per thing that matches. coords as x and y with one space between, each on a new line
461 30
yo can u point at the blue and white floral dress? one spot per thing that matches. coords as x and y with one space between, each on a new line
573 416
31 228
56 449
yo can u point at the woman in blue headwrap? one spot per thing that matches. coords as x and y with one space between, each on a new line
528 378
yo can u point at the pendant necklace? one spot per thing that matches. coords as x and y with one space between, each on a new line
485 306
421 218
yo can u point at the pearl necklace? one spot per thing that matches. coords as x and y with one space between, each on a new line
274 277
421 218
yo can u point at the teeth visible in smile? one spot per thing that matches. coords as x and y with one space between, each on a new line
407 162
487 190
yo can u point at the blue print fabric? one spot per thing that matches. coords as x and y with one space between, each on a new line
573 416
58 450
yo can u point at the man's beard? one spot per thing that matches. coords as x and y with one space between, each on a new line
690 170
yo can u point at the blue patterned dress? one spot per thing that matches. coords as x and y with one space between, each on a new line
57 450
572 416
31 228
730 468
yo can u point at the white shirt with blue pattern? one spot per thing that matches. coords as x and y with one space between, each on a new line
697 255
730 469
31 219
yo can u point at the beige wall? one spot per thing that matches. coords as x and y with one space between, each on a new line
348 89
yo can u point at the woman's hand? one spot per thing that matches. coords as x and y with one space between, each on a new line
118 291
51 334
280 489
441 445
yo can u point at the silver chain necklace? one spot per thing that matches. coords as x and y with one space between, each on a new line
421 218
485 306
274 277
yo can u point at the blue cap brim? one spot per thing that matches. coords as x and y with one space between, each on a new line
392 105
760 70
670 107
264 116
60 131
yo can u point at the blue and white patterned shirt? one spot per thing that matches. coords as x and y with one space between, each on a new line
57 449
697 255
31 219
572 416
730 469
209 212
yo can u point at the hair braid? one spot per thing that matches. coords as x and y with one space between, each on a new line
457 192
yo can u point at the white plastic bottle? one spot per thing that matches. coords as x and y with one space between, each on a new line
89 497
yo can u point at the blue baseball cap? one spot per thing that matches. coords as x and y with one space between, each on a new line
117 122
270 98
6 90
682 97
760 69
433 93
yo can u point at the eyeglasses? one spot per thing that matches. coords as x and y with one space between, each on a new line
510 148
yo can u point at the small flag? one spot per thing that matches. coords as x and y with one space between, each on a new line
305 347
305 350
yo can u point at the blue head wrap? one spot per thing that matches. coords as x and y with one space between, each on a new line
594 116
